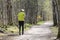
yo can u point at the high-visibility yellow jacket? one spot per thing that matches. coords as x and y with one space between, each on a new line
21 16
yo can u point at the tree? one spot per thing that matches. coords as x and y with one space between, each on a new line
9 12
58 5
1 12
55 11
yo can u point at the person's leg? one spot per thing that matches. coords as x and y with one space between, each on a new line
19 28
22 27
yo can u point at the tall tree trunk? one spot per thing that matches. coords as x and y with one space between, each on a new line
9 11
54 12
1 13
4 13
58 1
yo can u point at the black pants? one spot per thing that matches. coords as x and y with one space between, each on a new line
21 25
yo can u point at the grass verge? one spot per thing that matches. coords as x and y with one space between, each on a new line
54 30
40 22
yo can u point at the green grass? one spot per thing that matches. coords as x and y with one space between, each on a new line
14 29
54 30
40 22
27 26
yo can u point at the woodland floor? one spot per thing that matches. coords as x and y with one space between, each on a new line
37 32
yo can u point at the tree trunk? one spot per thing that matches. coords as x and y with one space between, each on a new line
9 12
58 2
55 11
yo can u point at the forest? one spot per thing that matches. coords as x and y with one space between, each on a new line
37 13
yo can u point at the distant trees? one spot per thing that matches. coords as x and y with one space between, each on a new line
31 8
45 9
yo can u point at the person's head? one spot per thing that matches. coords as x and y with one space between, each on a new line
22 10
